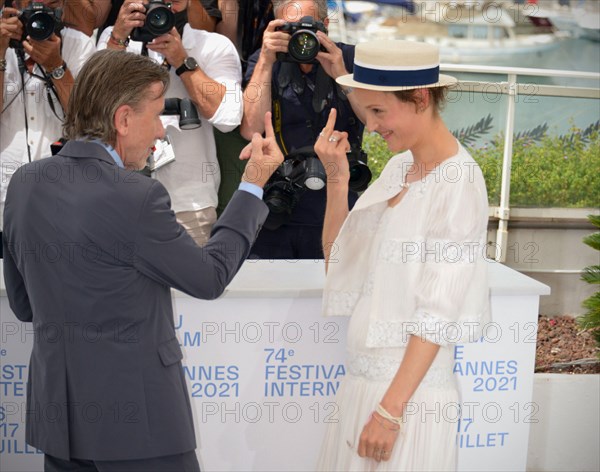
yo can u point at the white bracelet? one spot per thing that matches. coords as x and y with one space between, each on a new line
386 414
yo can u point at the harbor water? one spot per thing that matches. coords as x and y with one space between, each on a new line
558 114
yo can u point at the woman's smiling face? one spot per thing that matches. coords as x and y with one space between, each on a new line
398 122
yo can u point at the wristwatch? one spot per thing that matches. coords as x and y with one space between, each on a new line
189 65
59 72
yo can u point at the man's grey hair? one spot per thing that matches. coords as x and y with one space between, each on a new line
108 80
320 4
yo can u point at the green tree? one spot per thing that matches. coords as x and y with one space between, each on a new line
547 171
591 319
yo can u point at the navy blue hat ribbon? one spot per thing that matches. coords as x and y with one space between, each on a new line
396 78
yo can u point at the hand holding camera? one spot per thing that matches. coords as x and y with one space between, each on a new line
143 21
33 30
11 28
274 41
170 46
46 53
331 58
304 44
293 41
131 15
36 22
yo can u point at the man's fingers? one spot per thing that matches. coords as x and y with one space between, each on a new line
271 148
257 145
246 152
274 24
269 131
8 12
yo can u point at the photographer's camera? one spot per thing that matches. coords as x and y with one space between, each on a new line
304 44
160 19
39 23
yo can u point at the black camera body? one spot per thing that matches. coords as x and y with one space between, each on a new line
303 170
39 23
160 19
299 171
304 44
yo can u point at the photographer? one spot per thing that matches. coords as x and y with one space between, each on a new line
205 68
36 77
300 94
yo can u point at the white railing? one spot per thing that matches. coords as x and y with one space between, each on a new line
512 88
509 86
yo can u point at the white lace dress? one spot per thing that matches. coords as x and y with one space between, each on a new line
399 281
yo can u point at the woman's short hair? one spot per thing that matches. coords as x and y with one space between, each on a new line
437 95
108 80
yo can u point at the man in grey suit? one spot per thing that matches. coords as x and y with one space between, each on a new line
92 250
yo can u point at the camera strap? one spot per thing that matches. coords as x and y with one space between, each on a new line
322 90
290 75
23 71
277 126
50 89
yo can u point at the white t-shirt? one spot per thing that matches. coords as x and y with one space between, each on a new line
193 179
44 126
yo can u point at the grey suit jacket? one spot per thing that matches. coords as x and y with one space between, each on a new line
91 252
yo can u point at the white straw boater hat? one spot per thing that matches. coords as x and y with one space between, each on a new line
396 65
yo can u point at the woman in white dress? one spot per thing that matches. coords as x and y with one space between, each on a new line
407 263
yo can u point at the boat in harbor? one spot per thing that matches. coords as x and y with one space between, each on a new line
581 18
467 31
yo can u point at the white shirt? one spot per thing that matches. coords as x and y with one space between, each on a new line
44 126
193 179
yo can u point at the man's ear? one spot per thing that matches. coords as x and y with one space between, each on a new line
123 120
326 22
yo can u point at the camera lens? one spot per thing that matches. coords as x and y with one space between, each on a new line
188 117
40 26
314 173
159 19
360 176
304 46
